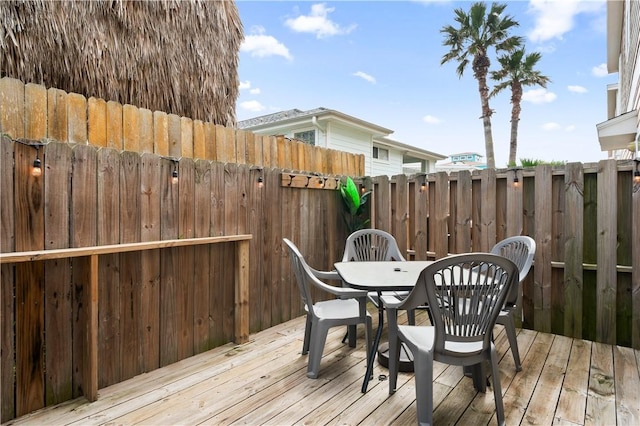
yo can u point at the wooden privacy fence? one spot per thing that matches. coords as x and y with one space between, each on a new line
585 281
154 307
34 112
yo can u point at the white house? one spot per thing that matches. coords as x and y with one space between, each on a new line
622 129
333 129
462 161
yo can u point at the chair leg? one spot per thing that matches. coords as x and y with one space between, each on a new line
307 336
367 335
352 332
510 328
497 388
319 337
411 316
423 367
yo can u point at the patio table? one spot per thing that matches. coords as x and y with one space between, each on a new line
380 277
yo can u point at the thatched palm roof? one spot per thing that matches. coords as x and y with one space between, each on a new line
170 55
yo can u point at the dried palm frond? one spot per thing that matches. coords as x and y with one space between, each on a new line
176 56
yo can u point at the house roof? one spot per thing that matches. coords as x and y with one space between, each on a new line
286 118
283 119
618 132
411 154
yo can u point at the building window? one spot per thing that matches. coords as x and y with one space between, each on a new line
380 153
307 137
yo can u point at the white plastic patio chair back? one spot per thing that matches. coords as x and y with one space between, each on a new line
371 245
520 250
349 309
465 305
368 245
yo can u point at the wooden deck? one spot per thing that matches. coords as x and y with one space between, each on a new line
564 381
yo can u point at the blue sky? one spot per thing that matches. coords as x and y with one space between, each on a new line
380 61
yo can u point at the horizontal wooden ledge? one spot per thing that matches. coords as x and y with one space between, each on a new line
28 256
593 267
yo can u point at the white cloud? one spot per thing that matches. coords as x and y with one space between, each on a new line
244 85
365 76
570 128
577 89
253 106
260 45
600 70
430 119
318 23
555 18
254 91
550 126
538 96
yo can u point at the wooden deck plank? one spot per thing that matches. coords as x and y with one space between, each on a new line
564 381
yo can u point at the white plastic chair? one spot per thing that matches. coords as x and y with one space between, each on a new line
367 245
520 250
465 305
349 309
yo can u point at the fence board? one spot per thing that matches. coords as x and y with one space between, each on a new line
514 205
130 264
130 128
557 253
199 150
35 101
488 210
77 118
590 250
108 185
170 269
573 232
57 113
29 325
624 238
274 248
58 309
186 137
160 133
401 216
7 293
115 126
216 331
84 216
145 130
255 249
96 122
210 141
382 202
12 107
174 128
501 208
441 214
201 287
542 272
607 240
463 212
232 218
186 262
150 183
241 147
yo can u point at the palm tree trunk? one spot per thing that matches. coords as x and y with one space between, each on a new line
516 99
486 120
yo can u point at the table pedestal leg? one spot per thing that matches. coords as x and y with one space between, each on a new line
374 348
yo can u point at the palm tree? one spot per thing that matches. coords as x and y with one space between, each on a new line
518 70
478 32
